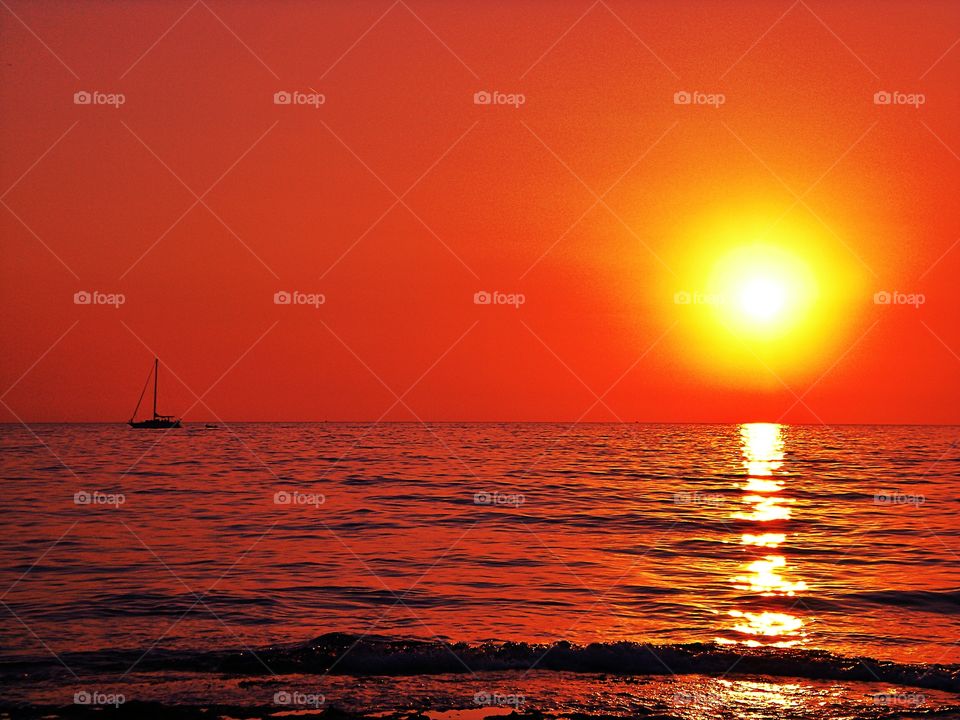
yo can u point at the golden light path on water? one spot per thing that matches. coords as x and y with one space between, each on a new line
765 575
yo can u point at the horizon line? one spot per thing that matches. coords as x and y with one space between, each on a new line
495 422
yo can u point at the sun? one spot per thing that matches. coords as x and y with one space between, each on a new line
766 290
762 298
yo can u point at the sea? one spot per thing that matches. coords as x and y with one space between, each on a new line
458 571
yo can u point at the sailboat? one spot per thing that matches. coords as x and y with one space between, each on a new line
158 421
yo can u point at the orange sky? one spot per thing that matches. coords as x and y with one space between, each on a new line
492 197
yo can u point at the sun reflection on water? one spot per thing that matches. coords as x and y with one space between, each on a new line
765 579
762 448
764 576
761 485
770 540
781 628
765 508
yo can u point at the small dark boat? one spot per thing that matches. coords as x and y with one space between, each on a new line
158 421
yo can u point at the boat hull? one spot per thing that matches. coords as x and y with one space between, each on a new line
154 424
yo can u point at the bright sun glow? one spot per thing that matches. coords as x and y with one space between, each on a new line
766 291
762 298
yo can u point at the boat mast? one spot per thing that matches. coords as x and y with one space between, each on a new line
156 379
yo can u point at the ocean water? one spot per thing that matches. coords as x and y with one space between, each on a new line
681 570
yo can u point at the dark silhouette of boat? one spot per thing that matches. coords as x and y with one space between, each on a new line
158 421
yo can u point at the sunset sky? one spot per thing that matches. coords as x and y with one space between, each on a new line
779 211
